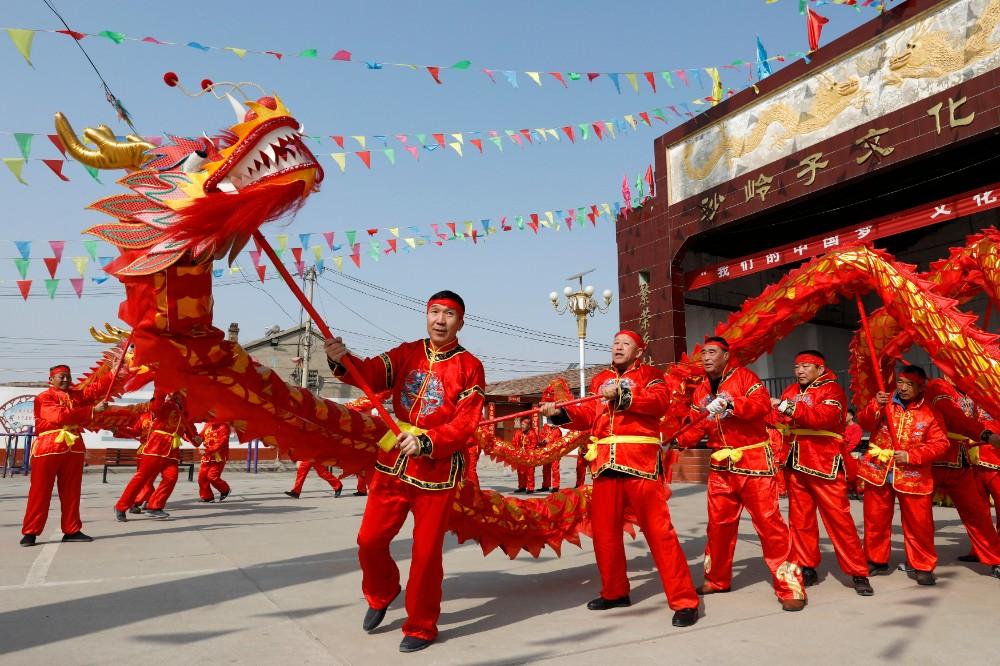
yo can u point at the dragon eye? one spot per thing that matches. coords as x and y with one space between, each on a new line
251 115
269 102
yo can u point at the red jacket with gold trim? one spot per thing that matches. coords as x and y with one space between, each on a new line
642 400
162 427
526 440
742 425
441 391
60 415
215 438
918 432
814 433
957 414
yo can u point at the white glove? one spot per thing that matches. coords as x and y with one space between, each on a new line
717 406
784 406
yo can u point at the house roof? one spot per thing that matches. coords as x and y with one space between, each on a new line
534 385
284 333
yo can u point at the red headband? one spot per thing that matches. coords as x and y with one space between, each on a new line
723 345
57 369
913 377
448 303
636 338
810 358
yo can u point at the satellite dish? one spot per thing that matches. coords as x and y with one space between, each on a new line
274 330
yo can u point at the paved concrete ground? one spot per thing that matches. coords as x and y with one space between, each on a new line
264 579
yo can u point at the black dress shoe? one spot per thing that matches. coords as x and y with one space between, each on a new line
359 493
373 618
28 540
809 576
336 493
878 569
530 491
120 516
78 537
925 578
520 491
600 603
543 489
413 644
862 586
685 617
291 494
223 496
971 557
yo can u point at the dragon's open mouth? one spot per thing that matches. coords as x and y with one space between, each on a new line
273 149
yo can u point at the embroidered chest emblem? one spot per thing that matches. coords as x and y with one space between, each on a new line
626 382
424 386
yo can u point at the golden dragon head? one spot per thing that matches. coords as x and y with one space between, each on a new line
199 199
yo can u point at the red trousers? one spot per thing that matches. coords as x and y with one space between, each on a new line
149 468
550 475
851 469
648 499
989 480
210 476
471 455
728 493
581 470
321 471
389 502
363 480
973 506
806 494
918 526
526 478
65 471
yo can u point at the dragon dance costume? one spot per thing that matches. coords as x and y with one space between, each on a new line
215 455
813 427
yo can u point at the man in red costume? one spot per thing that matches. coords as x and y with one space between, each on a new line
214 457
527 439
901 467
303 471
851 451
160 431
437 395
625 464
811 417
362 487
953 474
741 474
550 472
57 455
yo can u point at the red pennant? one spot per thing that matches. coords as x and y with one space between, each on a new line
339 140
504 225
372 232
454 232
599 130
649 179
77 286
54 138
439 138
435 71
52 264
651 79
72 33
328 237
297 253
341 55
275 54
569 223
366 157
527 135
559 77
151 40
645 119
569 133
392 244
56 166
814 27
534 222
478 143
592 75
300 267
260 272
25 287
255 257
475 235
356 258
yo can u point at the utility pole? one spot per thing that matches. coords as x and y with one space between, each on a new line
310 280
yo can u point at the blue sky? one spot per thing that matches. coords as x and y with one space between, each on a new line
507 278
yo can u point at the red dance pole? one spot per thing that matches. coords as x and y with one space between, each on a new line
531 412
325 330
875 364
118 366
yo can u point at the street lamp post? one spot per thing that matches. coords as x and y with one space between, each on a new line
582 304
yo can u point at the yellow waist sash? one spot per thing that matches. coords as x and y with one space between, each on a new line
175 442
736 455
591 454
785 430
876 451
64 435
973 453
956 436
388 440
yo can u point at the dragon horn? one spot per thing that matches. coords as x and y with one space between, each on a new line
110 153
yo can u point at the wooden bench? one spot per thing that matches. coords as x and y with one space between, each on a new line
128 458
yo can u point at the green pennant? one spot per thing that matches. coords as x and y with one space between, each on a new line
93 172
391 154
462 64
22 40
116 37
309 53
584 130
669 79
498 141
802 6
351 234
51 285
573 76
22 267
520 221
422 138
90 246
24 143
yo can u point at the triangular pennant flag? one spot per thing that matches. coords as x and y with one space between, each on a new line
342 55
237 51
435 72
559 77
328 237
282 242
462 64
22 40
81 264
90 246
366 157
339 140
592 75
599 131
93 172
56 166
338 261
52 264
77 286
814 27
350 237
614 79
394 231
633 80
304 239
57 142
498 142
217 272
308 53
413 151
340 159
584 131
57 248
568 129
25 287
373 231
511 78
717 94
392 244
478 143
533 225
390 153
361 139
300 267
645 118
682 75
15 164
650 79
22 266
113 36
317 251
439 138
297 254
411 242
535 77
51 286
255 257
260 272
23 140
763 62
23 248
457 147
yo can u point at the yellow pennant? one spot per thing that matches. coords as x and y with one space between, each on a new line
340 159
632 79
535 77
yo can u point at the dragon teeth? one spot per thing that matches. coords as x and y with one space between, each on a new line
226 186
